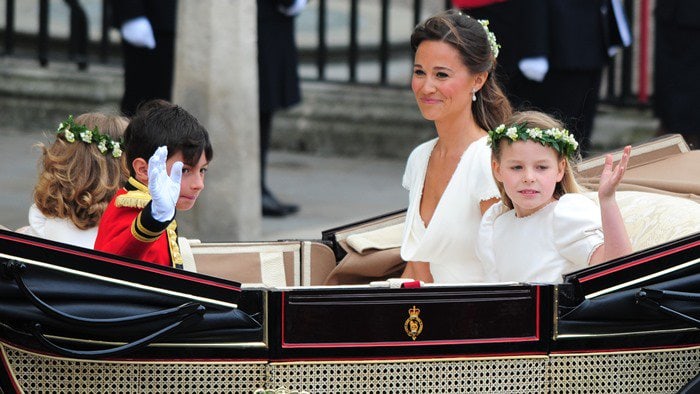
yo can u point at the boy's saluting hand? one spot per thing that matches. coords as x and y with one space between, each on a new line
164 189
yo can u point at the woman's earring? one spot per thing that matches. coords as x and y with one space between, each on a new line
473 94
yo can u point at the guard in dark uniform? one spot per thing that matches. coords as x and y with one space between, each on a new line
148 46
279 82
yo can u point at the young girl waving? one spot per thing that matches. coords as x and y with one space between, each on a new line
543 227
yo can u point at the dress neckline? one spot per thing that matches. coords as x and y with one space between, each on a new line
449 183
536 213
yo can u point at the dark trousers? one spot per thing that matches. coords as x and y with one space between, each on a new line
265 134
148 73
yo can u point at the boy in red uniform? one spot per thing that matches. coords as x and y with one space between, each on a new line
140 222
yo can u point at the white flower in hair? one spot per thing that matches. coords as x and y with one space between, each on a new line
512 133
495 47
116 150
70 137
86 136
534 133
102 146
571 140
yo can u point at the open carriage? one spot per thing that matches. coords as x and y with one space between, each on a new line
307 318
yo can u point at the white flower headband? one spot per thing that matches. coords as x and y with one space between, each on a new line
495 46
105 144
559 139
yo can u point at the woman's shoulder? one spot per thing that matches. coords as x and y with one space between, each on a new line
420 154
478 155
423 149
416 163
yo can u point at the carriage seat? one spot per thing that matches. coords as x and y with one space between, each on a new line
270 264
650 219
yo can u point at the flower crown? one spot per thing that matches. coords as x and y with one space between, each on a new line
104 143
559 139
495 46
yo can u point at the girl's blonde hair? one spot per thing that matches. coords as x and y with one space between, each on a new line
76 180
532 119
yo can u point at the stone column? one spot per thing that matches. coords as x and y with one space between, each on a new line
216 80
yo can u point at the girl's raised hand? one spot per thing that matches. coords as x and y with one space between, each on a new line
610 178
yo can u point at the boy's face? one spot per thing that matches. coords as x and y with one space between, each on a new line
192 180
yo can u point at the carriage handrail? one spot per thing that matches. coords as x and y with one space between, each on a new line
652 299
118 350
13 269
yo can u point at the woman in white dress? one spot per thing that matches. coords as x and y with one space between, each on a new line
78 176
449 178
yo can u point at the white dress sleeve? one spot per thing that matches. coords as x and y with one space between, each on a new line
485 183
408 174
577 228
37 222
485 242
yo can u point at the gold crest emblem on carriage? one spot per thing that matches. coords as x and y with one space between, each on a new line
413 325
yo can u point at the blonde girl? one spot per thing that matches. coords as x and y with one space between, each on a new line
78 175
543 227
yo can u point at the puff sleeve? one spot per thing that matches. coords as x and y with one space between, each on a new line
577 228
484 184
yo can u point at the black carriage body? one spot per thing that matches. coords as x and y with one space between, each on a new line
313 338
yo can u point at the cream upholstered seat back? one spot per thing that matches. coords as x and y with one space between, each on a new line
274 264
652 219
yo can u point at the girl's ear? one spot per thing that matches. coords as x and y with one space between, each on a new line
496 169
562 169
141 170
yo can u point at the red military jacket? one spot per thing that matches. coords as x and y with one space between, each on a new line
127 228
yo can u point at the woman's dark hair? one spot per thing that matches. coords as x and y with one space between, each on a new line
159 123
468 36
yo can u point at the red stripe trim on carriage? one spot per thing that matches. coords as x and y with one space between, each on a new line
135 360
537 312
533 338
464 356
407 343
126 264
638 262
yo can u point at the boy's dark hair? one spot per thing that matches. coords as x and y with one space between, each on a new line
159 123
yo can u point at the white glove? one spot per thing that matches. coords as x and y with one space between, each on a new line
612 51
164 189
534 68
295 9
138 32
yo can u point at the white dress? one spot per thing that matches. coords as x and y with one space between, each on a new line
448 241
57 229
557 239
